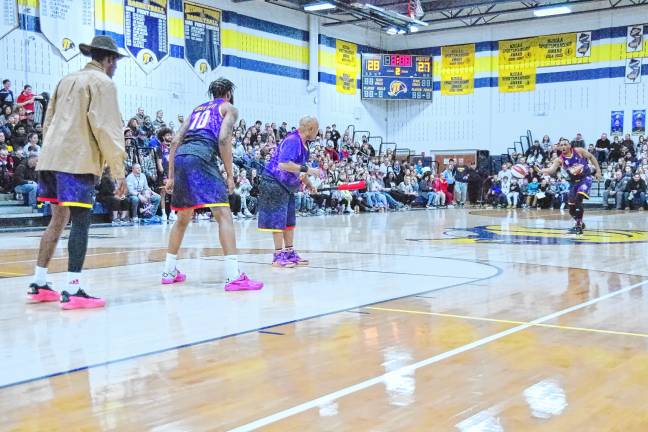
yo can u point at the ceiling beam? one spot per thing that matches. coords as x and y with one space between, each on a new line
440 29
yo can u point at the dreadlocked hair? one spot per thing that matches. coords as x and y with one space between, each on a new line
220 87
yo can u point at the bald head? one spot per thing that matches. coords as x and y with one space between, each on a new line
308 127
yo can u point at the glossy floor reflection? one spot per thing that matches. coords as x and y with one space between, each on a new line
401 323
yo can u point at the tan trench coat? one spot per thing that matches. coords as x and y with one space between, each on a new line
83 127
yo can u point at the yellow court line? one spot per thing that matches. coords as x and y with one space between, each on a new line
581 329
12 274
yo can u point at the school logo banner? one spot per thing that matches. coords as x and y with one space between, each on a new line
633 71
346 67
457 69
67 23
202 29
635 39
146 32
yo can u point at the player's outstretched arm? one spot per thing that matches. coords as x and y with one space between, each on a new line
553 169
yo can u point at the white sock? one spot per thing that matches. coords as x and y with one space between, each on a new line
40 276
74 280
170 263
231 267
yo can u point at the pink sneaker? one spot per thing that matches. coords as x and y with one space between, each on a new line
43 293
171 278
80 300
280 259
243 283
294 258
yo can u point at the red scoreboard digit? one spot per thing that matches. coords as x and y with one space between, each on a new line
397 60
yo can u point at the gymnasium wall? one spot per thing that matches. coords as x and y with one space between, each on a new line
566 100
264 51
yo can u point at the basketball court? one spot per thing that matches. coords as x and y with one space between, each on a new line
468 320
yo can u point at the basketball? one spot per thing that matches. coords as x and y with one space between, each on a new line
519 171
576 170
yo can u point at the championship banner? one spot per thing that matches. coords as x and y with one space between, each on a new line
202 29
512 80
638 122
556 50
457 69
633 71
67 23
517 52
616 123
146 32
635 39
346 67
8 17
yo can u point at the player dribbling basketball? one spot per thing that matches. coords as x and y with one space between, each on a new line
576 161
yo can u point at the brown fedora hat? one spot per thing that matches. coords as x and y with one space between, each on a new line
105 43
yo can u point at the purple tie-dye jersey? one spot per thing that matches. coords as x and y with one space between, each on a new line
575 160
202 136
291 149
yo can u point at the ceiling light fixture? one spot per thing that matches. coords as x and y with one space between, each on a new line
320 6
550 11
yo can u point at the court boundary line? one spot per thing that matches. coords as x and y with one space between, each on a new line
498 272
516 322
314 403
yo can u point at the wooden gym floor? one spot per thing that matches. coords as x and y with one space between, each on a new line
455 320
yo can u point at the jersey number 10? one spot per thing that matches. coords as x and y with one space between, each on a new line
200 121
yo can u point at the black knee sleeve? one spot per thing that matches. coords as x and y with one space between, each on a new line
78 241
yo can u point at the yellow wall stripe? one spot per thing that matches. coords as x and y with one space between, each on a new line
263 46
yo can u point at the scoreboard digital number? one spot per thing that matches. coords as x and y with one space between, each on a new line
396 76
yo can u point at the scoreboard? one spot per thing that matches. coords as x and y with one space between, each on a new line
396 76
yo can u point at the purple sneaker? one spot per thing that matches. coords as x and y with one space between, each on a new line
280 259
296 259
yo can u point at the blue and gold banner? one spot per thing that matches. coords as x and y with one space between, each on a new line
202 36
67 23
616 123
28 18
146 34
8 17
638 122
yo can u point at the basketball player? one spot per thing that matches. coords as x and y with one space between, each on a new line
82 129
196 181
576 162
282 177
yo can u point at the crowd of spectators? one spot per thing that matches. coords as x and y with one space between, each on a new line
341 155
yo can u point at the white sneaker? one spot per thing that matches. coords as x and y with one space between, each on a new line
135 220
163 217
247 213
172 216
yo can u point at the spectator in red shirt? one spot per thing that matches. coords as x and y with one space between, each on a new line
26 98
440 184
331 152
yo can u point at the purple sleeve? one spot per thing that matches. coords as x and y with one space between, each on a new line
289 151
